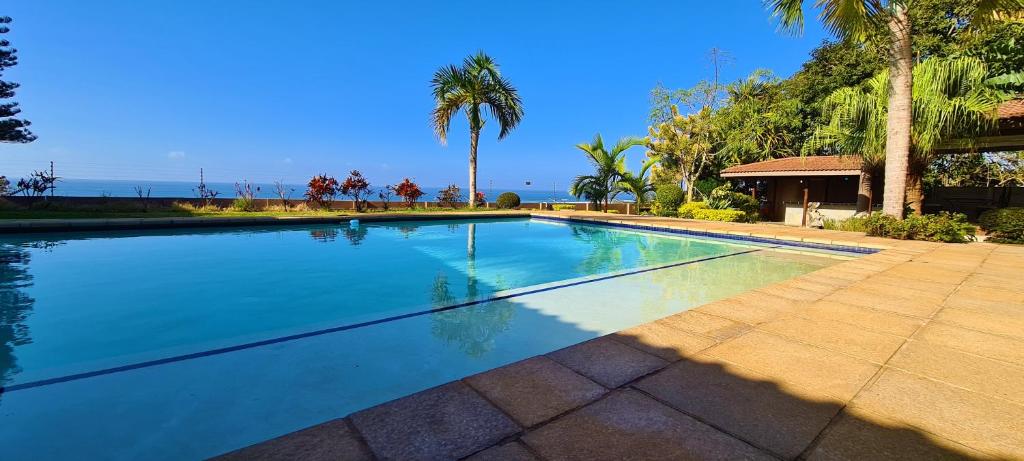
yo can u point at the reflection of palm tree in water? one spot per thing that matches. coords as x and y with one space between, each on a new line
472 328
605 249
15 306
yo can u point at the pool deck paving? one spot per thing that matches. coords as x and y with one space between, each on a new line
913 352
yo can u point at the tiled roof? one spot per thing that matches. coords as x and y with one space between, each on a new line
1011 109
821 165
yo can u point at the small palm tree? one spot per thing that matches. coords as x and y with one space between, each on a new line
474 87
609 166
856 19
638 185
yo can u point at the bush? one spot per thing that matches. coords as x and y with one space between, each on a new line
723 197
563 207
449 197
704 187
854 224
357 187
321 190
942 227
409 192
708 214
244 204
1005 225
667 198
508 200
686 210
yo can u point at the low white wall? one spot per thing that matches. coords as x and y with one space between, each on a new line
838 211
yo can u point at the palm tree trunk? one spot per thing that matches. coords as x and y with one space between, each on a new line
915 189
864 191
899 122
474 138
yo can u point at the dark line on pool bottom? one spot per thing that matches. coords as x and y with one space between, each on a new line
308 334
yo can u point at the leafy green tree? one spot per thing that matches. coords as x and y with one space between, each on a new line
474 87
952 100
857 20
758 121
609 166
685 144
11 129
638 185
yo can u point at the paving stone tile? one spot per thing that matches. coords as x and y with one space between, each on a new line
837 336
975 342
662 340
535 390
751 308
928 272
993 294
979 374
607 361
821 288
881 300
984 423
806 366
630 425
959 300
333 440
864 317
446 422
859 435
1007 325
791 292
512 451
700 323
773 415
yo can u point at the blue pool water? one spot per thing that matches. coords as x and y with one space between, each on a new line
189 343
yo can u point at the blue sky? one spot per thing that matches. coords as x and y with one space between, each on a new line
281 90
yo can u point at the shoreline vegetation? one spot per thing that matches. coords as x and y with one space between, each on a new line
185 210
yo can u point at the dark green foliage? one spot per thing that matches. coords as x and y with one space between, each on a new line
667 198
706 185
11 129
508 200
1005 225
942 227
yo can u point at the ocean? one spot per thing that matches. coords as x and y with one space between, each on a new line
184 189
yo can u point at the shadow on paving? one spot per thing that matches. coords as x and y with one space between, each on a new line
621 396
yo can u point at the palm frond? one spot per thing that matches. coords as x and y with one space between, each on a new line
790 14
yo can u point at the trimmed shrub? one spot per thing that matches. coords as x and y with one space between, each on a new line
854 224
1005 225
563 207
708 214
508 200
942 227
686 210
667 198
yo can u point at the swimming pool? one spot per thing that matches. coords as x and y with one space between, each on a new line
170 344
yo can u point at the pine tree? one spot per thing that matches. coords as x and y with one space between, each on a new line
11 129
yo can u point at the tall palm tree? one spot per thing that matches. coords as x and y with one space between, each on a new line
474 87
953 99
602 185
639 185
855 19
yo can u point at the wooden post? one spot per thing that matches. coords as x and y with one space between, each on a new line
803 219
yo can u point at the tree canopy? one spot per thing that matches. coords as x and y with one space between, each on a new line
12 129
